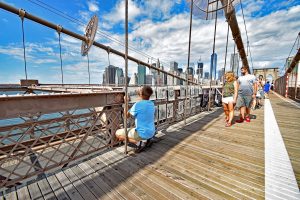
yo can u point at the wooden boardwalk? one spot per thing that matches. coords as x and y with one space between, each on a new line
202 160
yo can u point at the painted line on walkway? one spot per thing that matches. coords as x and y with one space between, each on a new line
274 149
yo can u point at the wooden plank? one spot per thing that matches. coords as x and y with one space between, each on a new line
79 185
89 183
10 194
72 192
100 182
34 191
23 193
46 189
217 164
58 190
140 175
205 177
111 178
141 189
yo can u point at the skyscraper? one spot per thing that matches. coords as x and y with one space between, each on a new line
220 74
109 75
173 66
141 75
199 70
119 79
234 63
206 75
213 66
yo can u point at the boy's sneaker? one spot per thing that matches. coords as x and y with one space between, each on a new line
247 119
140 147
241 120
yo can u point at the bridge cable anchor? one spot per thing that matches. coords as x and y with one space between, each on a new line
22 13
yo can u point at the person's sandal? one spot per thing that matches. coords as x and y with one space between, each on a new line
228 124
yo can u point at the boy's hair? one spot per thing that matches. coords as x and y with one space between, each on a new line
146 92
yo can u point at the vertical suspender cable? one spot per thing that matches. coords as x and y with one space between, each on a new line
188 64
226 54
88 60
59 28
22 14
233 66
214 46
126 75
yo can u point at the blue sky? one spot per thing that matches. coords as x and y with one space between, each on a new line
157 28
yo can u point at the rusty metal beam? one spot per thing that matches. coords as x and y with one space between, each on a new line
30 105
236 34
294 62
82 37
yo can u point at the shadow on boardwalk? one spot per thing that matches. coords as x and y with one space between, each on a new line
177 167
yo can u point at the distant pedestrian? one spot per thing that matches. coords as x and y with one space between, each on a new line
260 91
247 88
229 96
272 86
267 87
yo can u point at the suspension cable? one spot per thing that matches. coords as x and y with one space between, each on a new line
22 14
188 64
248 45
74 20
226 53
59 28
212 62
126 74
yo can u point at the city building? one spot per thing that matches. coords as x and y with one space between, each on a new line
199 70
213 66
234 63
141 75
109 75
133 79
206 75
119 79
173 66
220 74
149 79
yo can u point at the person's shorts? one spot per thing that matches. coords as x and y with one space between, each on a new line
132 134
226 100
244 101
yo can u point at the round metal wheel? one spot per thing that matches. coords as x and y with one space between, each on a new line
90 33
206 9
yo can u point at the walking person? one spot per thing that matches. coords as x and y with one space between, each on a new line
229 97
267 87
247 88
260 91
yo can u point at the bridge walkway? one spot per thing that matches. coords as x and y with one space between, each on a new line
201 160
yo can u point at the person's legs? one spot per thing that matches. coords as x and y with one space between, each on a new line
241 105
225 107
231 112
132 135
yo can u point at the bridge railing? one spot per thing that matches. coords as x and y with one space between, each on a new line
288 86
41 133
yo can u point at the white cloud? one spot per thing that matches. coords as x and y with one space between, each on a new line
93 6
118 12
271 38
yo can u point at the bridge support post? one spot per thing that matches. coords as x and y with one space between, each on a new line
287 85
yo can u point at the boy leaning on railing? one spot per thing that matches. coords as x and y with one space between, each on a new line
143 112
